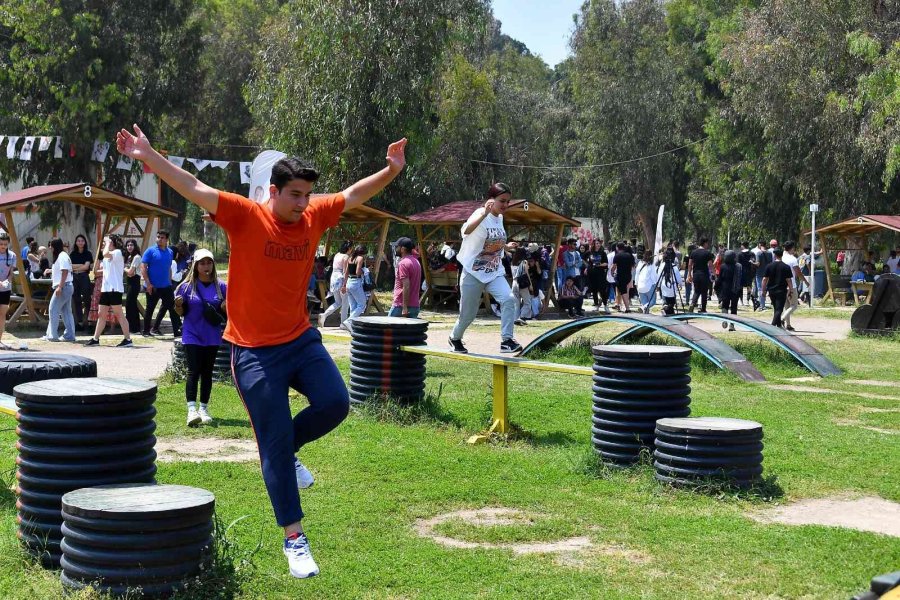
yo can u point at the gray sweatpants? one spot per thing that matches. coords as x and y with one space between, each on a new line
470 292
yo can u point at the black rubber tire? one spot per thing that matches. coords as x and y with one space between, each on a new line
19 368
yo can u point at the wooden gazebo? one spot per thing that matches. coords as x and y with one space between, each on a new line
111 208
367 225
524 220
862 226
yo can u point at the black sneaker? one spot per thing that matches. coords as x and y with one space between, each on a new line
457 346
155 332
789 328
125 344
510 346
92 342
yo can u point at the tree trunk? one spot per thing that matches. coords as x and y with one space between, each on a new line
648 228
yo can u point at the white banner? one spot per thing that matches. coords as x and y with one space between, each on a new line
101 150
11 146
58 151
27 147
245 172
45 143
199 163
657 245
219 164
124 163
178 161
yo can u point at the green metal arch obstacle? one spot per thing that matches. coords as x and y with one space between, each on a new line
718 352
806 355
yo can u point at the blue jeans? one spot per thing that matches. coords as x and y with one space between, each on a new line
61 306
397 310
262 377
762 298
648 299
357 296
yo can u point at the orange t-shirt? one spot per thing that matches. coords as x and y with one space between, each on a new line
270 266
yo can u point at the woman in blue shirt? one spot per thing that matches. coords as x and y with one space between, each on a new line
201 301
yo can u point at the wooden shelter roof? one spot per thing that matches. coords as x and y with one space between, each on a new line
520 212
365 214
861 225
100 199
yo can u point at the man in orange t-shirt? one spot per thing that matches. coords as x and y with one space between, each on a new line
273 249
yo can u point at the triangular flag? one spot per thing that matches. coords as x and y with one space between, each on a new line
25 154
11 146
101 150
45 143
245 172
124 162
58 150
199 163
1 138
178 161
219 164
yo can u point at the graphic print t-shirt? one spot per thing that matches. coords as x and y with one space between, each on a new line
270 265
481 250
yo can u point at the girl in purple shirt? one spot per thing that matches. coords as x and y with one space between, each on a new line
200 299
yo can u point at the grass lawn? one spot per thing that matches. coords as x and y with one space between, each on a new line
376 478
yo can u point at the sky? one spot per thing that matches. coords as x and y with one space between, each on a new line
542 25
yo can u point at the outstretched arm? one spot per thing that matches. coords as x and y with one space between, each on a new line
362 190
138 147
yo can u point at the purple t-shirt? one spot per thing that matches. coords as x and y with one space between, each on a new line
409 268
196 329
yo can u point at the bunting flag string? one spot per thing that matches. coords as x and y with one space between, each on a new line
23 147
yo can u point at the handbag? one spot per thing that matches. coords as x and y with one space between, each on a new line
214 313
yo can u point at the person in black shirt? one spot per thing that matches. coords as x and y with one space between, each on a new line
597 268
623 263
82 259
728 284
779 280
698 274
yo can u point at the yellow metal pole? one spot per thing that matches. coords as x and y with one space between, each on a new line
501 406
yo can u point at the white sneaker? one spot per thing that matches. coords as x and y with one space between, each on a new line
300 558
205 417
304 477
193 418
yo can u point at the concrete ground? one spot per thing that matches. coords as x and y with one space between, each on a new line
150 356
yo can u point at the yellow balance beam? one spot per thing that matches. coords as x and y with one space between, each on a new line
8 405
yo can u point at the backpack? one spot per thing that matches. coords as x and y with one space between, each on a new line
367 283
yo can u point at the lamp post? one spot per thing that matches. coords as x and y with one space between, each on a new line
813 209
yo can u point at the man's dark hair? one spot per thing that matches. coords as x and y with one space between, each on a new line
116 240
779 251
571 241
620 246
761 243
498 189
789 245
703 241
745 244
288 169
163 232
29 239
806 248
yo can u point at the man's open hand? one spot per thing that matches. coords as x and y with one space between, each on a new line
135 146
396 156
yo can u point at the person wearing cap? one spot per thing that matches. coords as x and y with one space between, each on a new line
200 300
480 255
407 282
274 347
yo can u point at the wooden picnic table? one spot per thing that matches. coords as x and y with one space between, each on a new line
862 286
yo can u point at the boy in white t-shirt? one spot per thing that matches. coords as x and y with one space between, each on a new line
480 253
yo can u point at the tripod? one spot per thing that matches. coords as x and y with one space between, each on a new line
668 276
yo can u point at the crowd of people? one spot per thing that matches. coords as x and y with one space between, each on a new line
86 293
